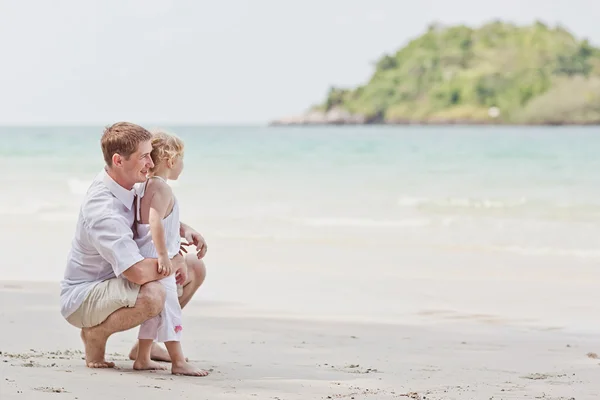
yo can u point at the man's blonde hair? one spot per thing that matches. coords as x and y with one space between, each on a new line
165 146
122 138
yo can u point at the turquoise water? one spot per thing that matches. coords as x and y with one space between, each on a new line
546 173
337 221
529 190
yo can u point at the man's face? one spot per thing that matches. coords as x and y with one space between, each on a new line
136 167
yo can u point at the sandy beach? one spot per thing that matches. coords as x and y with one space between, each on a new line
255 355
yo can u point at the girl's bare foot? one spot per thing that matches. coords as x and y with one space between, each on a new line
187 369
148 365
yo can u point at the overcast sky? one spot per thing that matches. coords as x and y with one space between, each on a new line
217 61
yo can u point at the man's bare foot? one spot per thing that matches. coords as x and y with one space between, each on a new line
95 346
157 353
187 369
148 365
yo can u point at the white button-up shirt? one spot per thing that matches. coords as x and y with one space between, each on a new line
103 246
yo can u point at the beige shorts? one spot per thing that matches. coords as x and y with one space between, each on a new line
104 299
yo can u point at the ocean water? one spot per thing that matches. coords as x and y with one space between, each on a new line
482 223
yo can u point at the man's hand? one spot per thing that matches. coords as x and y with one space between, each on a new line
181 275
180 269
193 237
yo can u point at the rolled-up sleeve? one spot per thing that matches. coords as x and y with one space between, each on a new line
113 239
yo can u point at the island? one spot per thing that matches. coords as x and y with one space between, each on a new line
498 73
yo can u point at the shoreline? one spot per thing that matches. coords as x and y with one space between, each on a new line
416 313
446 123
274 357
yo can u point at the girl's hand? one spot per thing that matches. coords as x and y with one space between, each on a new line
164 266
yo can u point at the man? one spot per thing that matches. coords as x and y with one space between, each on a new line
108 286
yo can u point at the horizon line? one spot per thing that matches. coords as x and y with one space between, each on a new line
152 124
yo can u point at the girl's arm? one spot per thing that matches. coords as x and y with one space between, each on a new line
159 204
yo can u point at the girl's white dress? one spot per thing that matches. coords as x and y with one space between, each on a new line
166 326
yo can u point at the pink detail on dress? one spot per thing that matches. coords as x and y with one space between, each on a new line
178 328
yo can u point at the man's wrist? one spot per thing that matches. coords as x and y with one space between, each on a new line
183 229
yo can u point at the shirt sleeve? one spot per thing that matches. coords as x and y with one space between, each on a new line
113 239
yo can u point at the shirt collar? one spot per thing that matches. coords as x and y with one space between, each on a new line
124 195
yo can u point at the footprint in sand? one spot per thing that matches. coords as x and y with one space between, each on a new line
354 369
539 376
49 389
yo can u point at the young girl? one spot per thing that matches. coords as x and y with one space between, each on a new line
157 235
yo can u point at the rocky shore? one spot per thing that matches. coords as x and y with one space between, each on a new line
342 117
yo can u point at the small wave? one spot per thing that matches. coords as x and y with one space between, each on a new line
411 201
25 208
59 216
552 210
551 251
78 186
363 222
458 203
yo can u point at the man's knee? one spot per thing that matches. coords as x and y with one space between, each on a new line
196 269
152 298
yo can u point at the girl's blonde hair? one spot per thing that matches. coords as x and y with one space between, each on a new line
165 146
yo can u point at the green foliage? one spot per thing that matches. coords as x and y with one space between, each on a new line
336 97
460 72
571 100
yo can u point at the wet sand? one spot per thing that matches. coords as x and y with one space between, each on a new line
257 355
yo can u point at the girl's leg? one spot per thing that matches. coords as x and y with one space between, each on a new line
169 332
143 361
146 336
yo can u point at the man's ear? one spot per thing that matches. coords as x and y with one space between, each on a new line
117 160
